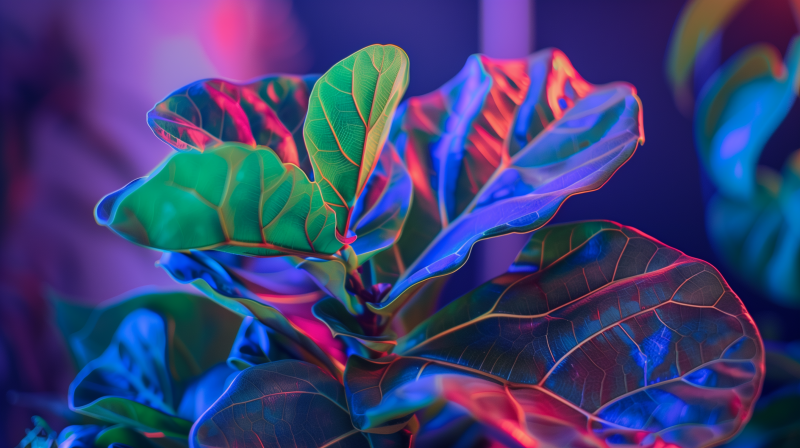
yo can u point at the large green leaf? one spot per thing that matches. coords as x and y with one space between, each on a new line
614 339
130 383
287 404
349 115
266 112
232 198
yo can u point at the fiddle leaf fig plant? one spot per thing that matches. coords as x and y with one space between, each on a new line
313 246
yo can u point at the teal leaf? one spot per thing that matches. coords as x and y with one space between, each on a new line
129 383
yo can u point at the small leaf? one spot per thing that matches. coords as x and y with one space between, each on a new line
379 213
251 347
206 114
620 338
129 383
284 403
342 323
231 198
349 116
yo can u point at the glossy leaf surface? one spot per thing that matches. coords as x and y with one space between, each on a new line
232 198
130 383
349 114
212 279
577 151
619 338
454 139
268 112
284 403
379 213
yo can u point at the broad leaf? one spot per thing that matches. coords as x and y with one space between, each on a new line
232 198
566 137
130 383
284 403
212 279
349 114
616 337
739 109
379 213
267 112
251 347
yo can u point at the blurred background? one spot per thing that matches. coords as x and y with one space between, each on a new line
78 76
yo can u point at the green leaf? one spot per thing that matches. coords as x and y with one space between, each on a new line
616 337
349 116
231 198
284 403
130 383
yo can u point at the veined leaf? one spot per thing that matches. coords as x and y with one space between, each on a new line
349 115
129 383
454 139
209 113
284 403
575 154
616 337
232 198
